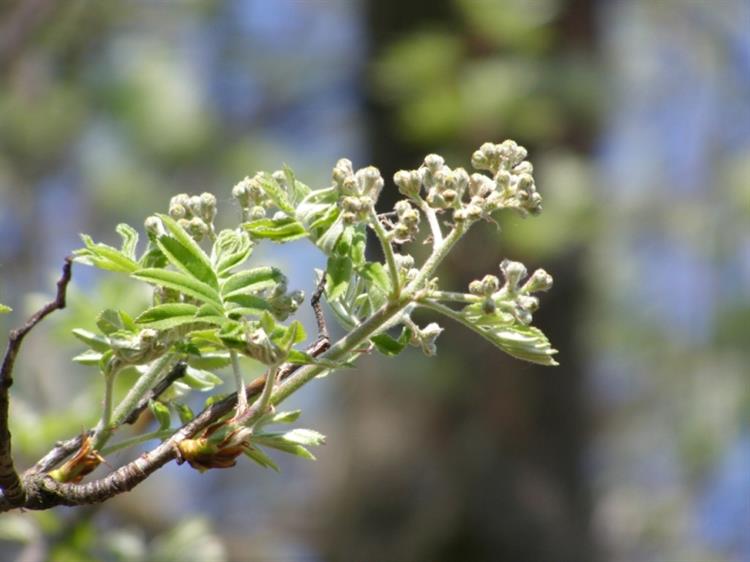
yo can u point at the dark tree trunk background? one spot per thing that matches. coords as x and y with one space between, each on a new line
486 469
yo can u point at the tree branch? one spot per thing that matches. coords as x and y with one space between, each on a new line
43 492
10 483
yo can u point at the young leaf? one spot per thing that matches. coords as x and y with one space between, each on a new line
297 190
246 305
523 342
276 194
94 341
199 379
390 346
104 256
169 315
209 360
277 230
88 357
109 321
161 413
184 412
252 281
257 455
180 282
5 309
184 253
129 239
293 441
376 274
338 274
230 249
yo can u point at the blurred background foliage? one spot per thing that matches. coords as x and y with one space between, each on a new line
636 117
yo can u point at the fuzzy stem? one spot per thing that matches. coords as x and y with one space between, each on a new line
390 258
239 382
264 399
451 296
432 220
438 255
144 383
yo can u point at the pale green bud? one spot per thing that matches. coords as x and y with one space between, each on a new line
409 182
434 162
540 280
153 226
513 271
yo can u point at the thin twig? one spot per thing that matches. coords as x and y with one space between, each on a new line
10 483
320 320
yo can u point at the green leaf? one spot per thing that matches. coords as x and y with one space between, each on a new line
359 243
328 239
199 379
109 321
376 274
88 357
184 412
252 281
338 274
284 229
161 413
166 316
246 304
258 456
180 282
230 249
523 342
104 256
129 240
285 417
94 341
210 360
293 441
295 333
276 193
390 346
5 309
184 253
297 190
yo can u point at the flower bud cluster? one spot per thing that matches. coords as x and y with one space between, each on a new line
194 213
406 269
512 183
284 304
511 299
359 190
406 227
252 198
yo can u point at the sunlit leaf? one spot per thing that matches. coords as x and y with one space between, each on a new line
161 413
277 230
166 316
181 282
252 281
129 240
185 254
260 457
338 274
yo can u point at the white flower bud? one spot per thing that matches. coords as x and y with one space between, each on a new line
513 271
540 280
154 226
434 162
